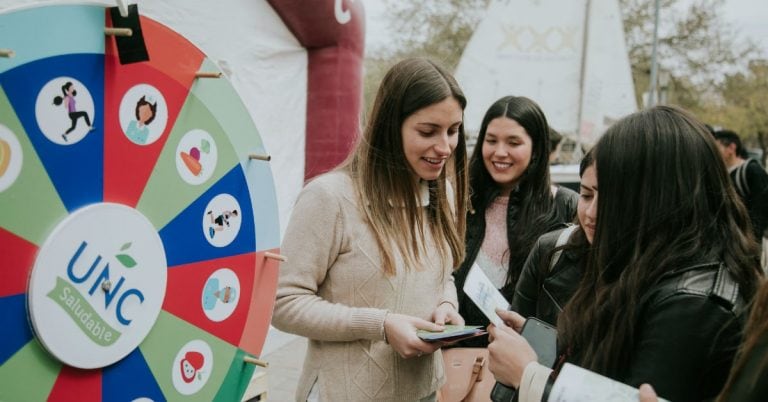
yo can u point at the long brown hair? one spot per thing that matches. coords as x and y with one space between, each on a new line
383 177
665 199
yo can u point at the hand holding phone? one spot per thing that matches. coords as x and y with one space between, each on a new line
543 339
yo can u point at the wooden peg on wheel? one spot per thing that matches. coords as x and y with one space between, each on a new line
208 74
123 32
7 53
260 157
275 256
253 360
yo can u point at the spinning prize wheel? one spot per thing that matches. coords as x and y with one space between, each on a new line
137 211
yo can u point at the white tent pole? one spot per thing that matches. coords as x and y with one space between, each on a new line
582 76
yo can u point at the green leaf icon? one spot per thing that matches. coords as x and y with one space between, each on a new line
126 260
125 246
205 146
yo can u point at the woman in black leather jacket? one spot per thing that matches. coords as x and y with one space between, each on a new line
510 194
556 263
671 268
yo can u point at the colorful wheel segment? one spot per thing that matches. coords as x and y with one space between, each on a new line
133 224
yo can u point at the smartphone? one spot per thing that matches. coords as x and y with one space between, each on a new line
543 339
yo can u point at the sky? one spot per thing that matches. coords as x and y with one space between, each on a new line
748 17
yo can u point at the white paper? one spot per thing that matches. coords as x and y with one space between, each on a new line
485 295
575 384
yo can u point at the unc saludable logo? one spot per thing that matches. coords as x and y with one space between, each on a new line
77 305
98 285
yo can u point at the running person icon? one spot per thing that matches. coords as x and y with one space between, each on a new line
69 93
219 222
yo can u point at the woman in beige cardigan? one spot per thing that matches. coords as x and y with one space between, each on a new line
372 244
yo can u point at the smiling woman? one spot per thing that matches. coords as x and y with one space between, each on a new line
430 136
513 203
372 244
506 152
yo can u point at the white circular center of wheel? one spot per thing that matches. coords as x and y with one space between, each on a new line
97 285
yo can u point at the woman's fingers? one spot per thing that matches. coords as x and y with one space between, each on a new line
453 317
509 354
511 319
446 313
418 323
647 394
402 335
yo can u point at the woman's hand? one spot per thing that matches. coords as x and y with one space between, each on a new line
401 330
511 319
445 313
508 353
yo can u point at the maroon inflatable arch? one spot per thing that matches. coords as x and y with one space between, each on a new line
332 31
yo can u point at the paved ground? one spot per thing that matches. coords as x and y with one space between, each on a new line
285 354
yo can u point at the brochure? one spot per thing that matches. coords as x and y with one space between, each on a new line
575 384
482 292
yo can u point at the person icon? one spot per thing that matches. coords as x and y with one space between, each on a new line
137 130
220 222
68 99
213 293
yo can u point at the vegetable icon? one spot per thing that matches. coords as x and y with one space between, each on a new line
191 159
5 156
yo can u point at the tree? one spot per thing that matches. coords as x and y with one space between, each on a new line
695 45
436 29
712 75
744 105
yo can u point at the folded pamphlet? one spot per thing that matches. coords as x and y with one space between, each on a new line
484 294
575 384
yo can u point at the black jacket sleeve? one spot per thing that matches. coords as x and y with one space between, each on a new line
527 289
685 342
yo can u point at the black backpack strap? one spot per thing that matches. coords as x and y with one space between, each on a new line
561 240
740 179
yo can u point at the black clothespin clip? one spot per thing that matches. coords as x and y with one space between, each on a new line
130 48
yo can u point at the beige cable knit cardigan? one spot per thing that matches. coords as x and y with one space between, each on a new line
332 290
